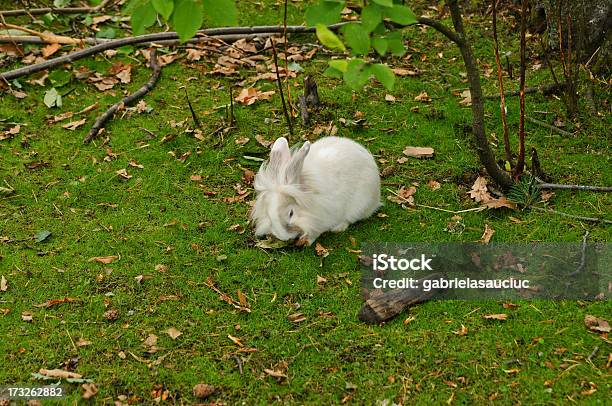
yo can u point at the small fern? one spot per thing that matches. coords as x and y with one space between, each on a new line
525 192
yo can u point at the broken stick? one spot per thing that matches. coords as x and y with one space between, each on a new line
389 304
101 121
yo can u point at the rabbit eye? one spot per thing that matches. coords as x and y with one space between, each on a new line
290 213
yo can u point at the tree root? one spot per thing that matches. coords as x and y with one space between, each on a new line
102 120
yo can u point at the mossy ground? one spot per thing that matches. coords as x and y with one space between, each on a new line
160 216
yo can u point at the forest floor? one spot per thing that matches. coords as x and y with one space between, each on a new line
135 230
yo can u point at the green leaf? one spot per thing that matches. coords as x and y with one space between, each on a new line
164 7
144 16
385 3
328 38
219 12
129 8
380 44
52 98
42 235
357 74
371 16
357 38
187 18
61 3
384 74
396 43
401 15
325 13
332 72
339 64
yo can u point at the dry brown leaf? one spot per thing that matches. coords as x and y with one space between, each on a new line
487 234
262 141
235 340
241 140
596 324
150 343
135 164
499 203
546 195
81 342
462 331
403 196
27 316
423 97
419 152
500 316
242 299
510 306
50 49
59 373
173 333
104 260
433 185
123 173
250 95
275 373
321 280
467 98
203 390
479 190
89 390
3 284
390 98
405 72
297 317
73 125
321 250
55 302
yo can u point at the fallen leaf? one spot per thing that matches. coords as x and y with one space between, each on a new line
173 333
81 342
487 234
261 140
596 324
423 97
390 98
3 284
203 390
467 98
403 196
512 371
433 185
321 250
123 173
272 243
419 152
500 316
89 390
499 203
241 140
27 316
111 315
59 373
546 195
321 280
510 306
242 299
250 95
73 125
404 72
150 343
50 49
462 331
275 373
104 260
55 302
479 190
235 340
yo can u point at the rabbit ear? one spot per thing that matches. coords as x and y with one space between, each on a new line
279 153
294 169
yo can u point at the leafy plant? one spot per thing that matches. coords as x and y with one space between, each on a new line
376 31
184 16
526 192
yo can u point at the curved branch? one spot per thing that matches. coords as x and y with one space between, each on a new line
163 36
442 29
45 10
101 121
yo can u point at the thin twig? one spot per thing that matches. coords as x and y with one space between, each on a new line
47 37
500 79
280 89
544 89
582 256
231 97
591 219
193 113
11 40
163 36
32 39
61 10
520 162
101 121
587 188
550 127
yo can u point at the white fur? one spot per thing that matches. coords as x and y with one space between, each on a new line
327 186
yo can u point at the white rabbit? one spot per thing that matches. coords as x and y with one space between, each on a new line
317 188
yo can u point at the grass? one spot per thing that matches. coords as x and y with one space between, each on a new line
161 217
